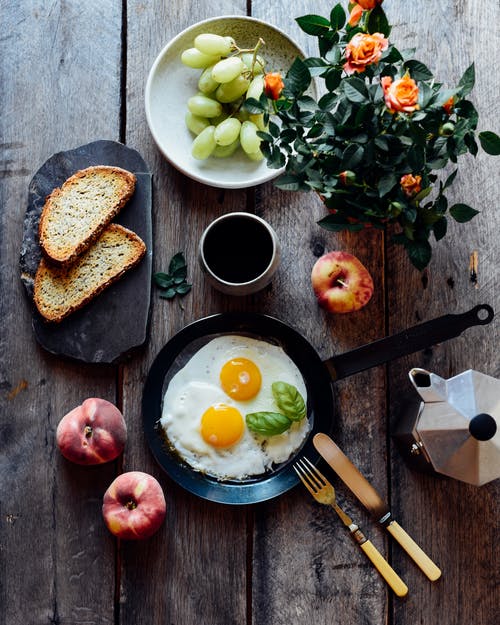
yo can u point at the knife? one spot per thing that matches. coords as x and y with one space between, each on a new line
369 497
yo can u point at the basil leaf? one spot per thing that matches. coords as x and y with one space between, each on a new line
267 423
289 400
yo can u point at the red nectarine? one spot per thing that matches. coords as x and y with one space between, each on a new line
134 506
92 433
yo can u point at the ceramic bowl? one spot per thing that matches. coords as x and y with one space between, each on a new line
170 84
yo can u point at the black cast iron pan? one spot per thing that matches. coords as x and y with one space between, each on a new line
318 376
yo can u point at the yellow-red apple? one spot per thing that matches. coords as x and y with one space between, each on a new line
134 506
92 433
341 282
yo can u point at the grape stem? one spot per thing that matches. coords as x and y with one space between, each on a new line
254 50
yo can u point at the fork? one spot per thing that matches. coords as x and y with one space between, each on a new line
322 490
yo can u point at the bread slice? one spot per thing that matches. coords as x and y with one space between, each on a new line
59 291
75 214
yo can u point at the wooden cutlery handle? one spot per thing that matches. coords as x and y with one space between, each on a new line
414 551
384 568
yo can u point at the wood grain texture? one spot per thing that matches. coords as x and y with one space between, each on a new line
306 567
60 88
288 560
443 515
198 558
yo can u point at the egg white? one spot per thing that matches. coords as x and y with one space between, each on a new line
196 387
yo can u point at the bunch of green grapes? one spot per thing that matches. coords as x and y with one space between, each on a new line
215 114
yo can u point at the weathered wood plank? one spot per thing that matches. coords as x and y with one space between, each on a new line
306 567
198 558
60 88
455 522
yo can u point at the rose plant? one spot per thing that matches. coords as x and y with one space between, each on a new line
371 145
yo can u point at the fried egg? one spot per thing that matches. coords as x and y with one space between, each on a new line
205 405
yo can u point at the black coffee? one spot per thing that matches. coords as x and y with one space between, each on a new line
238 249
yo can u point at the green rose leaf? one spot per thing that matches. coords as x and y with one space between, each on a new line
418 71
377 22
467 81
490 142
254 106
450 179
267 423
355 90
163 280
298 77
176 263
462 212
337 17
288 182
313 24
182 289
169 293
420 253
386 183
440 228
289 400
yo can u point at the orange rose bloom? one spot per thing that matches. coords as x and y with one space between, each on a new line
364 50
411 184
368 4
273 85
448 105
355 16
400 95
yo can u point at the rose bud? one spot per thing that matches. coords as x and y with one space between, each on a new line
446 130
448 105
273 85
347 177
355 15
368 4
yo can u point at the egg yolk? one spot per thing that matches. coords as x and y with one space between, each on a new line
240 378
222 425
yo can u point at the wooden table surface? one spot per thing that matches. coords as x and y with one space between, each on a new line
73 72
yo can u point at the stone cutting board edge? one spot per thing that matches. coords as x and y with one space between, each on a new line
116 323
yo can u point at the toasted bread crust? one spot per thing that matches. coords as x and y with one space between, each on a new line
60 291
75 214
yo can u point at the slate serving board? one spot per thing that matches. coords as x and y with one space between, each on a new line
116 322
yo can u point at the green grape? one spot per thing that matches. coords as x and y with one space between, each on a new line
255 156
195 123
231 91
206 84
228 69
256 87
204 107
228 131
258 120
258 66
196 59
204 144
214 45
249 140
224 151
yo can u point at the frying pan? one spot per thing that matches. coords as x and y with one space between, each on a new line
318 376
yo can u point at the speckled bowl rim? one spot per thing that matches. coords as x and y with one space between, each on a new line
168 128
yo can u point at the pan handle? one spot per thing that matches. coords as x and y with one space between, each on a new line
407 342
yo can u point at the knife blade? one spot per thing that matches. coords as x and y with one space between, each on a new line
373 502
